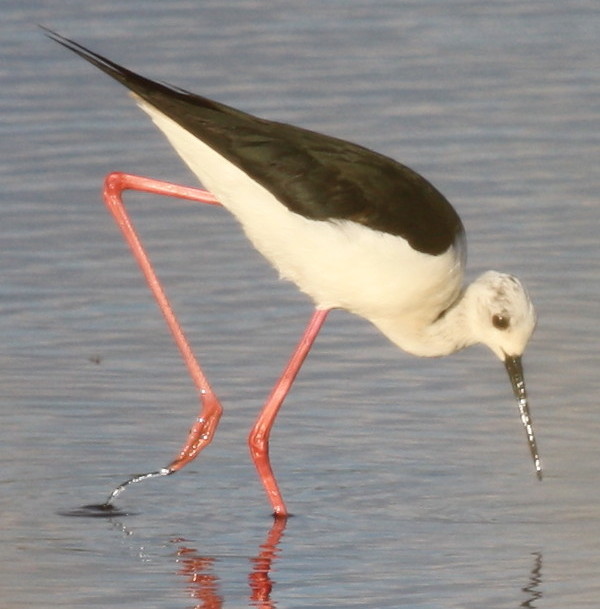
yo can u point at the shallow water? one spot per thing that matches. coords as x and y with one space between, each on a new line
410 479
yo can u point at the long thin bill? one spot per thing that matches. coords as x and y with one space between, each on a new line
515 372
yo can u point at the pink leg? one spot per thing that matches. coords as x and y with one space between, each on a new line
202 431
258 440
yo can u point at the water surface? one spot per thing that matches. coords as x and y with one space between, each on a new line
410 479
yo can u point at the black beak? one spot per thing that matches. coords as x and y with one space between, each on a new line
515 372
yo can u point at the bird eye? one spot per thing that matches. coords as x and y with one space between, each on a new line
500 322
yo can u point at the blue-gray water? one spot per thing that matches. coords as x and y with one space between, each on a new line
410 479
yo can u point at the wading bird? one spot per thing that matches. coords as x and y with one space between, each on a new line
351 228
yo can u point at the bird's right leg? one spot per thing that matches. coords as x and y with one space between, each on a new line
203 429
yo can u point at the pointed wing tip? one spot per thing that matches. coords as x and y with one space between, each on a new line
66 42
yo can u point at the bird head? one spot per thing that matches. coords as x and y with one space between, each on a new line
502 317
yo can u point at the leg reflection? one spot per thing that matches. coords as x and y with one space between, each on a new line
259 578
203 582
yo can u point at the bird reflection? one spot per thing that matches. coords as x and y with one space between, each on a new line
259 578
203 582
532 589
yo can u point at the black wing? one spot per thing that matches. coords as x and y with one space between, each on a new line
318 176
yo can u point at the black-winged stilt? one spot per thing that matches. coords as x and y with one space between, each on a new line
351 228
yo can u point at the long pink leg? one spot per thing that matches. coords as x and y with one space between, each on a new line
203 429
258 440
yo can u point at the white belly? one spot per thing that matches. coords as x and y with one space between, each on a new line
337 263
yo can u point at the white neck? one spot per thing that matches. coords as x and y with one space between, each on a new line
448 333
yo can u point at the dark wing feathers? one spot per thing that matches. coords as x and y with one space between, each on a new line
318 176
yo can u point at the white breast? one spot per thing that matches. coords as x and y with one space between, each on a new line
337 263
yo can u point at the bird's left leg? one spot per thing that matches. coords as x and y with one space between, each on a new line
203 429
258 440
